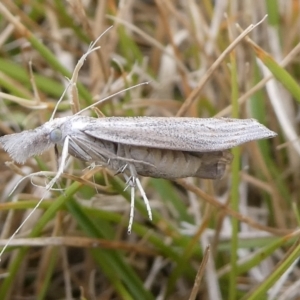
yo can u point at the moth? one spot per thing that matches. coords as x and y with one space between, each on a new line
148 146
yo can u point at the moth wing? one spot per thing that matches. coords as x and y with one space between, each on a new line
185 134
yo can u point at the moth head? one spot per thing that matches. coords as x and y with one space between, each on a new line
28 143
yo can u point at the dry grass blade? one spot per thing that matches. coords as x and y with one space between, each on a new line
200 274
181 60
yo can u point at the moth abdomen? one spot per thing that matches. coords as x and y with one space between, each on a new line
172 164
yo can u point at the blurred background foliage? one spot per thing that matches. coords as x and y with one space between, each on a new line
234 238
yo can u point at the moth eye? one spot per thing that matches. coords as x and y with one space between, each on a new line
55 135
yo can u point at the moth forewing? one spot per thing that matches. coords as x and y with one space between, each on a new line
185 134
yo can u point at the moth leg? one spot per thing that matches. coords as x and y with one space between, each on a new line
122 170
144 196
64 156
131 183
134 181
88 150
93 165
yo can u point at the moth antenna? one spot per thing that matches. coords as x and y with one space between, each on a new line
111 96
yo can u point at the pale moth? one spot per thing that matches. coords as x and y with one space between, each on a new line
148 146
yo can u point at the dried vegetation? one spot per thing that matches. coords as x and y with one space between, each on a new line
236 238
